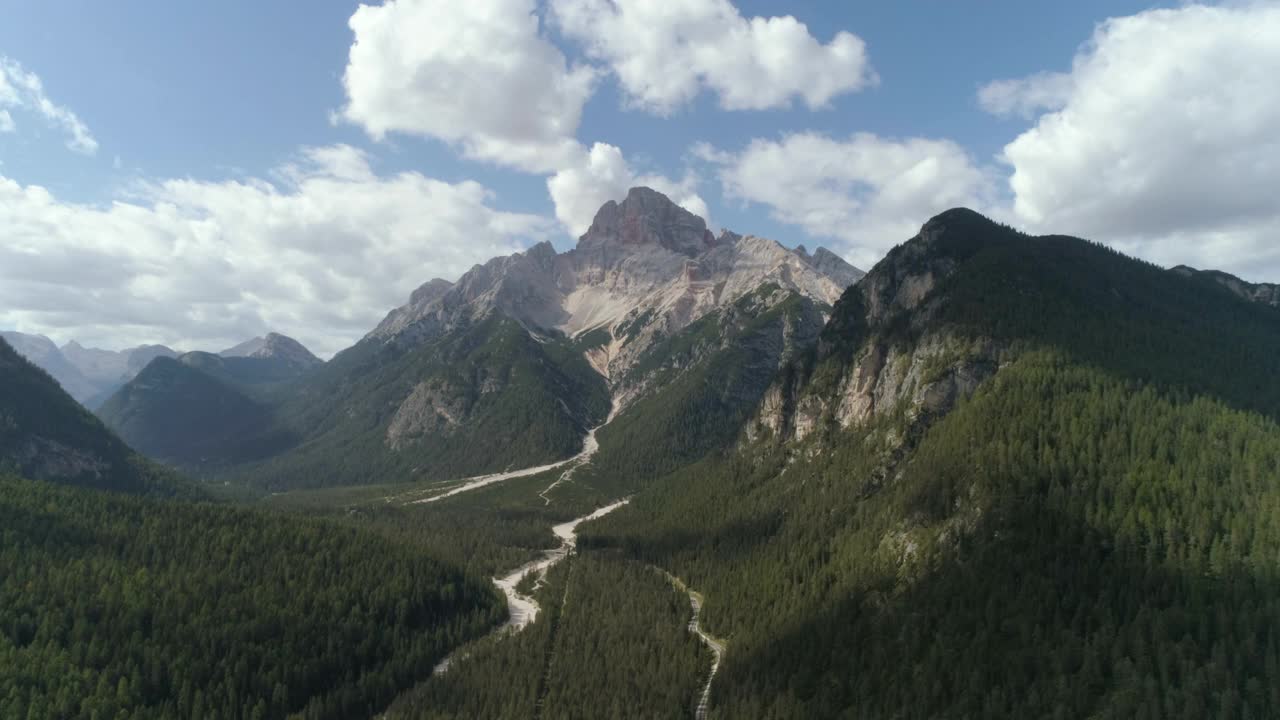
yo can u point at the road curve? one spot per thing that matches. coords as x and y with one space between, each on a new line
523 609
589 448
717 650
717 646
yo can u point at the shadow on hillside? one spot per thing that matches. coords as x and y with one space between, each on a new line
1034 615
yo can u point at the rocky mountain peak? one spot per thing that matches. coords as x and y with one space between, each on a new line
430 290
274 346
279 346
647 217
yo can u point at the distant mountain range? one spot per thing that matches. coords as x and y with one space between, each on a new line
998 475
91 375
46 435
525 353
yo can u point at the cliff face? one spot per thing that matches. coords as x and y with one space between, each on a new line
1262 293
644 271
883 350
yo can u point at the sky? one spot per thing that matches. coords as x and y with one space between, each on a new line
199 173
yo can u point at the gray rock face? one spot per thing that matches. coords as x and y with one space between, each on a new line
275 346
831 265
648 217
646 268
1262 293
434 407
245 349
885 350
286 348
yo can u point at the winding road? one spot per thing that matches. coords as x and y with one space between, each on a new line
717 650
589 448
521 608
717 646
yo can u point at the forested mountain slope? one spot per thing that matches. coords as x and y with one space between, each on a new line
135 604
482 398
89 375
1015 477
47 435
117 606
1265 293
198 412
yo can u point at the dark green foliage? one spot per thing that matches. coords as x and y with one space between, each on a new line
592 339
490 386
47 435
1129 317
1092 534
187 412
245 372
117 606
610 643
1065 544
517 402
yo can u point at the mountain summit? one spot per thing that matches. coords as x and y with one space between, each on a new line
645 264
274 346
647 216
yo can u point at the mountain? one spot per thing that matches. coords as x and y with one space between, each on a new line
44 353
90 375
1265 293
523 354
275 347
102 593
646 268
46 435
1012 476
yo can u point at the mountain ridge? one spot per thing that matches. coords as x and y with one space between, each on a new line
435 370
45 434
644 261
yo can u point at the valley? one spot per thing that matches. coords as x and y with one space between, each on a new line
640 360
989 447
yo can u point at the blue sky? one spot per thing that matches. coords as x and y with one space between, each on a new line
210 89
192 103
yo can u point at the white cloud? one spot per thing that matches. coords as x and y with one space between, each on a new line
320 253
1026 96
869 193
1166 141
23 90
482 75
664 53
603 174
478 74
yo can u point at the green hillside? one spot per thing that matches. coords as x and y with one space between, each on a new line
1092 533
191 413
116 606
47 435
483 398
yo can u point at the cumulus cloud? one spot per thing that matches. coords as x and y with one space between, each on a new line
23 90
1162 139
603 174
321 252
665 53
479 74
867 192
483 76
